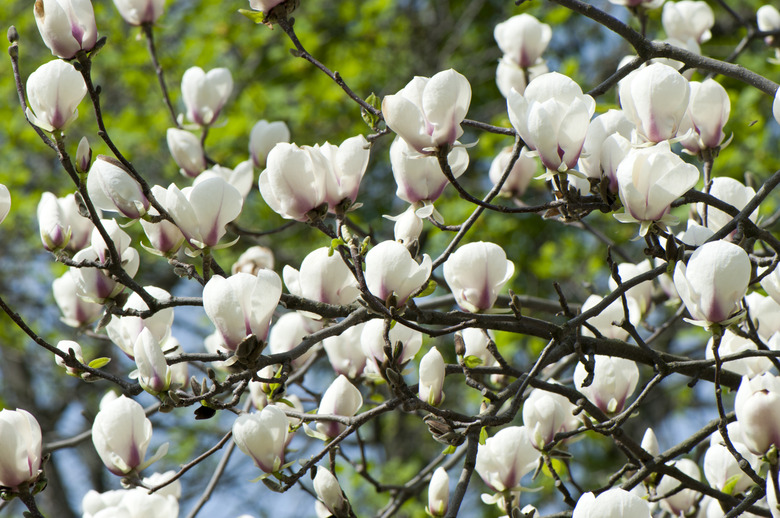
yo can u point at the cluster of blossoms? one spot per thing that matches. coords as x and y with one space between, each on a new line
356 301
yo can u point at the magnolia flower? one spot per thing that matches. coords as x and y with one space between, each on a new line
475 343
603 322
771 284
391 270
475 273
289 331
419 178
679 502
55 232
612 503
757 406
546 414
614 380
121 434
67 346
264 5
642 293
654 98
324 277
408 227
733 192
186 151
552 117
112 189
713 282
139 12
427 112
509 76
707 113
154 375
125 331
164 236
432 373
341 398
76 312
687 19
83 155
329 492
293 183
523 170
241 177
522 39
768 20
439 493
254 259
506 457
202 211
372 342
599 151
66 26
205 93
348 163
263 137
721 468
731 343
20 448
263 436
54 91
765 313
649 180
242 305
344 352
771 495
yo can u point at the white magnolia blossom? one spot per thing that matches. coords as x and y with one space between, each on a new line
731 191
731 343
373 343
649 180
475 342
347 165
328 490
604 146
289 331
113 189
772 489
521 174
768 20
124 331
523 39
708 111
254 259
263 437
552 117
391 270
688 19
66 346
241 177
154 375
20 448
432 373
506 457
205 93
54 91
757 406
165 237
76 312
642 293
408 226
202 211
510 77
66 26
323 277
439 493
654 98
139 12
293 183
720 466
186 151
612 503
263 137
242 305
427 112
5 202
264 5
419 177
613 382
54 229
340 398
714 281
680 502
475 273
546 414
604 321
345 353
121 433
765 313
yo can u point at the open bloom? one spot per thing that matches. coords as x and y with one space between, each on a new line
124 331
341 398
344 352
242 305
293 183
613 382
20 447
54 91
263 436
655 98
600 146
552 117
138 12
66 26
545 414
708 111
347 164
427 112
476 272
757 406
679 502
522 39
121 434
419 178
205 93
391 270
612 503
506 457
688 19
649 180
112 188
714 281
323 277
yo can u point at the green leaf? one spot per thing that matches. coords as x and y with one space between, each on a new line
255 16
483 435
728 487
369 118
430 288
449 450
472 361
99 362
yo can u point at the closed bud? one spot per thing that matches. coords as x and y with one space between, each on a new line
113 189
432 373
263 436
263 137
323 277
154 375
20 448
688 20
66 346
391 270
83 155
205 93
329 492
186 151
55 233
475 273
341 398
505 458
439 493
